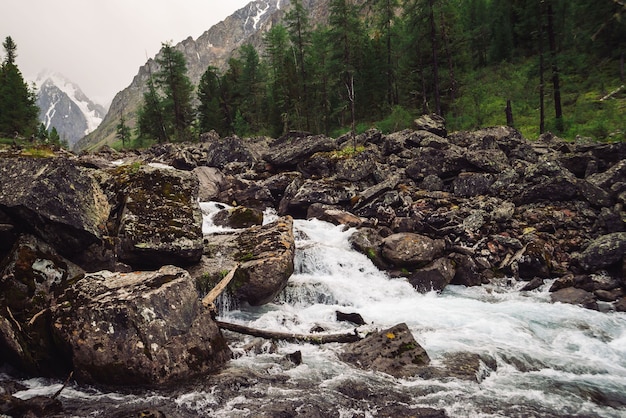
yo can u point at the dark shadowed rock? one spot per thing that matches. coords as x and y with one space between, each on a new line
357 168
296 203
369 242
34 276
60 202
160 221
393 351
138 328
411 250
472 184
434 277
353 317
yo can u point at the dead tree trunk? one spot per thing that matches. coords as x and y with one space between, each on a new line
286 336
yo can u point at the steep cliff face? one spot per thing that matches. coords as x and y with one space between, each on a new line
214 47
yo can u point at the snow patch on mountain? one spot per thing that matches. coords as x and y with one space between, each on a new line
93 112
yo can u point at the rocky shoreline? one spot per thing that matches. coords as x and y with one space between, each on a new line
104 262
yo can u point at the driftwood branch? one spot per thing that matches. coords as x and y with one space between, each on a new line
286 336
613 93
67 381
219 288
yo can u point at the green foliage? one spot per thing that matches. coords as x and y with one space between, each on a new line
18 109
167 113
384 62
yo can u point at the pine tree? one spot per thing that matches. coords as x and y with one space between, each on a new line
150 116
122 131
18 109
212 111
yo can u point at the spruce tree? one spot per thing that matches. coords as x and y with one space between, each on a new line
18 109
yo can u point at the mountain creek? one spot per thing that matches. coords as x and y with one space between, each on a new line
419 273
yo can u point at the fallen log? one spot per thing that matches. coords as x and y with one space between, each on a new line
291 337
219 288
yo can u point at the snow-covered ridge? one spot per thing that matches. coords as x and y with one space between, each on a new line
93 115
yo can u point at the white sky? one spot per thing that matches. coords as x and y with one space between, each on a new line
100 44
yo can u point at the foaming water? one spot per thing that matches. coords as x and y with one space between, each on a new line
552 359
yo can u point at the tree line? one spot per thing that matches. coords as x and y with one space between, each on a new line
386 60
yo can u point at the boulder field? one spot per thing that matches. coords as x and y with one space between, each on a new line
104 263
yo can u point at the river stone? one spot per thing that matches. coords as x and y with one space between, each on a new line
575 296
33 278
238 217
327 192
603 252
227 150
138 328
411 250
434 277
333 215
393 351
161 221
266 254
57 200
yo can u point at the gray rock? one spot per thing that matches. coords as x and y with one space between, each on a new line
161 221
575 296
238 217
60 202
603 252
266 254
210 183
411 250
434 277
432 123
289 151
138 328
393 351
227 150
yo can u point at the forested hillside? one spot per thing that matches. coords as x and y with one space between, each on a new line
380 62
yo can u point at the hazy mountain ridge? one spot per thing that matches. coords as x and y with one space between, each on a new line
214 47
63 105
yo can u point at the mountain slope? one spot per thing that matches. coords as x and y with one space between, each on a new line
63 105
214 47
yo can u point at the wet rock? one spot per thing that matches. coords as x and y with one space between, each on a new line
463 366
533 284
411 250
603 252
575 296
266 254
369 242
34 276
620 305
38 406
238 217
138 328
467 271
353 317
58 201
160 221
434 277
393 351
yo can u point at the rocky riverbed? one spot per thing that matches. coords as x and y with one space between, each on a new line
104 261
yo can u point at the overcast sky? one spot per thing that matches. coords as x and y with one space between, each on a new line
100 44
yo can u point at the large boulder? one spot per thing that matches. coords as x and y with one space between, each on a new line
138 328
59 201
411 250
227 150
160 221
300 195
393 351
291 150
266 254
33 277
434 277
